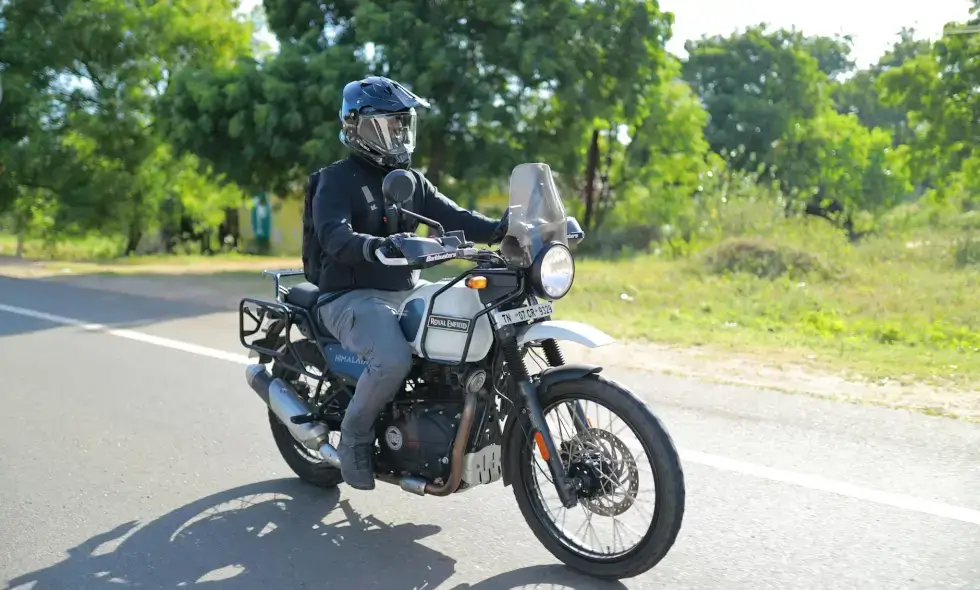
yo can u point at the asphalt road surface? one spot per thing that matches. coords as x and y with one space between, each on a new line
133 455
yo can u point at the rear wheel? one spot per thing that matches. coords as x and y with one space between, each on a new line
305 462
621 447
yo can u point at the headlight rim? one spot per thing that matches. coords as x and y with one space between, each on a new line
537 285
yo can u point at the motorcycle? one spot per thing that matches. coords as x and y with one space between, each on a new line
471 411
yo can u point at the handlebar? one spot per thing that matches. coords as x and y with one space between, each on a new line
427 260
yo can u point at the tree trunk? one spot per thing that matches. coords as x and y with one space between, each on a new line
133 239
134 235
20 226
591 168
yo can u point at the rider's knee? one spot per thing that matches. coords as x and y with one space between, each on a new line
394 360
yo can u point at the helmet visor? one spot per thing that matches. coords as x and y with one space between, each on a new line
389 133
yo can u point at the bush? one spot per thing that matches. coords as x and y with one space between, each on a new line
968 252
763 259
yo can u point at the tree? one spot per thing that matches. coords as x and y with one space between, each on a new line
859 95
263 124
605 100
833 54
643 165
655 175
838 168
756 85
23 109
507 82
939 90
107 62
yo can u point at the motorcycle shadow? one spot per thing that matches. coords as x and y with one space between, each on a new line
280 534
276 534
542 577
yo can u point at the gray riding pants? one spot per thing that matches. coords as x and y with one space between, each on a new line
365 321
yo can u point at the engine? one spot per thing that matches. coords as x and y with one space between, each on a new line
417 438
417 430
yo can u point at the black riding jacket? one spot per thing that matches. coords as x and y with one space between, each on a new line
348 217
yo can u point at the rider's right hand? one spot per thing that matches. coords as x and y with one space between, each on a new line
391 246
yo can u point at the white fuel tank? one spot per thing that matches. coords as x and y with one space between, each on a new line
448 322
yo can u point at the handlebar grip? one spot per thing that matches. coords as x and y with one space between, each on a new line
390 261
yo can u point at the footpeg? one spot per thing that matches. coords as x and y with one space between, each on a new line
303 419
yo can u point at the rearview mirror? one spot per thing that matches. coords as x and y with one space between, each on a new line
398 187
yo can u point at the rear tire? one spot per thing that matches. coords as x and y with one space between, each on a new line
303 461
661 453
320 474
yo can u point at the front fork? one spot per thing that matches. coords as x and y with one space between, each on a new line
556 359
564 486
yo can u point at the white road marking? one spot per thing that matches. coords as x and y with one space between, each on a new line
803 480
841 488
129 335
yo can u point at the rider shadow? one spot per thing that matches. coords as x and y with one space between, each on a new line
277 534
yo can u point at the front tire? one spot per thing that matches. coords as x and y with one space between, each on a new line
659 450
305 463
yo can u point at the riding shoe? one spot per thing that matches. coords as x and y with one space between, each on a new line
356 465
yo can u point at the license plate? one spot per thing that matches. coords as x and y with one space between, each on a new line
523 314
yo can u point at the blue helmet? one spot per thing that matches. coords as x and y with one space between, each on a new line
378 121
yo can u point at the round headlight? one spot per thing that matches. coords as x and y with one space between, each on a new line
555 271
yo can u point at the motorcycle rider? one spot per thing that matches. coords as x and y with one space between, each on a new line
344 223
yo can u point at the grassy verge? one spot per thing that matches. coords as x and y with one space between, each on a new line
864 323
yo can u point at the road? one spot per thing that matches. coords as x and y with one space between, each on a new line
129 459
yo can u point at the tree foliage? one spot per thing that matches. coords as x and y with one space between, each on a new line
940 91
93 72
859 94
504 79
124 116
756 86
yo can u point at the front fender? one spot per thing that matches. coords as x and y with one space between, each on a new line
577 332
544 380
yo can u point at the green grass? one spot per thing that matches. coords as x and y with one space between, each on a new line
868 322
86 249
901 305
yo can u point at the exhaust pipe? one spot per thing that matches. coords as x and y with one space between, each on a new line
285 403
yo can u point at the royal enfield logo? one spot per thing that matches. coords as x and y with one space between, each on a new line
393 437
443 256
441 322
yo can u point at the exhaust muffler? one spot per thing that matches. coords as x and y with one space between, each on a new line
285 403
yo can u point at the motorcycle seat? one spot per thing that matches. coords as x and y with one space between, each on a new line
303 295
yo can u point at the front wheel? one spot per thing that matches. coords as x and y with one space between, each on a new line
620 447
